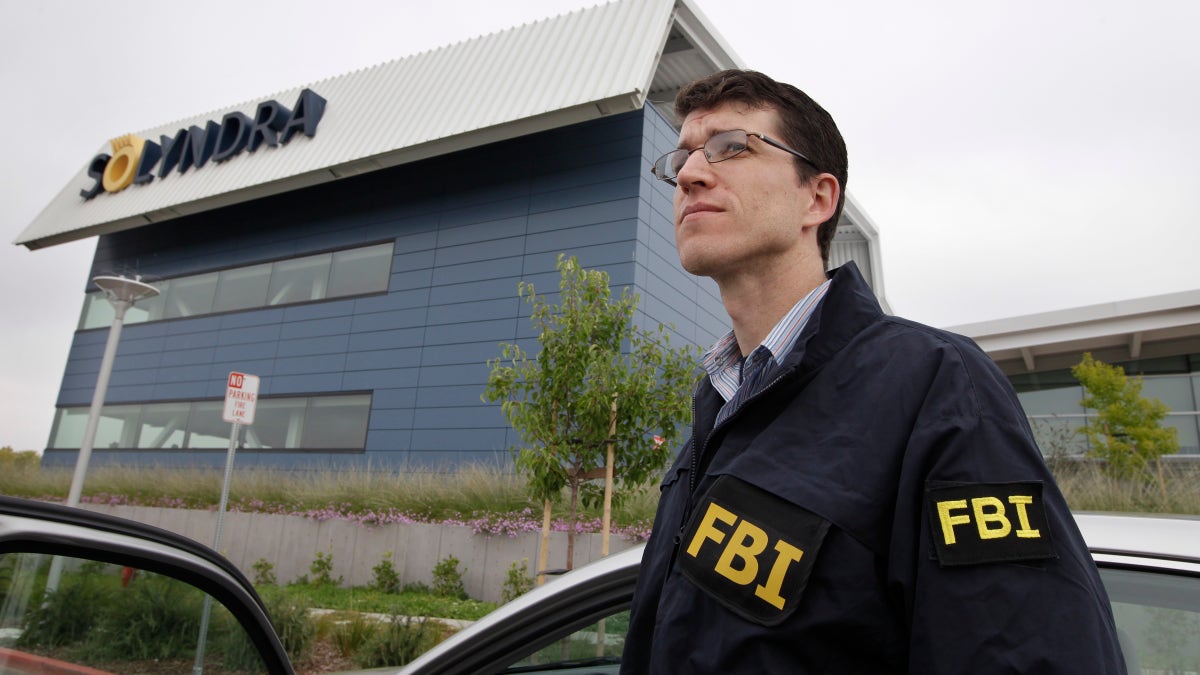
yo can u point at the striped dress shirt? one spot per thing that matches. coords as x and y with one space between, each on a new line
727 369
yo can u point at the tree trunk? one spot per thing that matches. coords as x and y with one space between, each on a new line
544 554
1162 485
610 460
571 518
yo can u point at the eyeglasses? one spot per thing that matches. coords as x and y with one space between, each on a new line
718 148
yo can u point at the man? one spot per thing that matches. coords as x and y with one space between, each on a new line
861 493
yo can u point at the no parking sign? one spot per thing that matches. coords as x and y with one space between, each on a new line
241 395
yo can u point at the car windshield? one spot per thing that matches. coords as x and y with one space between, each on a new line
589 648
111 619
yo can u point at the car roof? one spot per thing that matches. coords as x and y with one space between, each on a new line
1157 535
536 615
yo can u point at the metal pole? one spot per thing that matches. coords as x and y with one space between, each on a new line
233 437
54 577
93 423
198 666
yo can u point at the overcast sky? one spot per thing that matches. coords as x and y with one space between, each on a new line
1017 157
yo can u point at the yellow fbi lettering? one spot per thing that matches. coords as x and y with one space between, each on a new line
976 523
990 515
743 547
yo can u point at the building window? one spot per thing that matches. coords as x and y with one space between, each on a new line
299 280
356 271
280 423
190 296
359 271
163 425
1051 400
242 288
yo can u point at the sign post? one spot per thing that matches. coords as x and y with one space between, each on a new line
241 399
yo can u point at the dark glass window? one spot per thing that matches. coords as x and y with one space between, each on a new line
361 270
337 422
278 423
190 296
164 425
299 280
349 272
242 288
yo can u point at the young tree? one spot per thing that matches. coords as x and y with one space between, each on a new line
1127 431
597 381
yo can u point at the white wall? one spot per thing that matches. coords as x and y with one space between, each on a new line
291 543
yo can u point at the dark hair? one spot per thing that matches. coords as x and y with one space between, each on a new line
805 126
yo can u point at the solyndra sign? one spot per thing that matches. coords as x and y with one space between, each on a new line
135 161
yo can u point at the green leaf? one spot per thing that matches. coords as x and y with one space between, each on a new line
560 401
1127 431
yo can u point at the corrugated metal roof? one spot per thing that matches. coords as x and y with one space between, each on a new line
608 59
567 69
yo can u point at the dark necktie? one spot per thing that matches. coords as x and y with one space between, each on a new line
754 367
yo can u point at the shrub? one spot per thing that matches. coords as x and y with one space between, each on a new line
295 627
385 579
517 582
447 579
417 587
350 634
55 619
396 642
231 642
321 569
264 573
18 461
155 617
8 564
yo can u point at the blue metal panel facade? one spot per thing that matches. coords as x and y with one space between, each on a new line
467 228
669 294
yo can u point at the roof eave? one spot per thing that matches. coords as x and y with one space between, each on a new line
1123 330
622 103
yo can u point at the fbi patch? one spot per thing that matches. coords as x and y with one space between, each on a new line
975 523
751 550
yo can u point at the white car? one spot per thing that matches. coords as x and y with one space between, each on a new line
572 624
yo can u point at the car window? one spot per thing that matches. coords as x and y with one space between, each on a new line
595 648
1157 614
1158 619
110 618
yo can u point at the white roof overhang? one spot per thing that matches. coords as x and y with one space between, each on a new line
1161 325
568 69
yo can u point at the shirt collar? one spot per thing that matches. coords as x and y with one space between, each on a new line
723 361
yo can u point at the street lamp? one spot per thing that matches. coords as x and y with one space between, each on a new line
122 293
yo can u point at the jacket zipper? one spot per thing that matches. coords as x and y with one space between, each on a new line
695 463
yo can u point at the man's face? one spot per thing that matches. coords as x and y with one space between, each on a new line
744 214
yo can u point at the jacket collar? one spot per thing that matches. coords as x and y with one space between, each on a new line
847 309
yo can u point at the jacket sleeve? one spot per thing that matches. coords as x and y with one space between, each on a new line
995 575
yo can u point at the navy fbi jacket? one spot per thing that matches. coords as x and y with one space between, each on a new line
880 506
